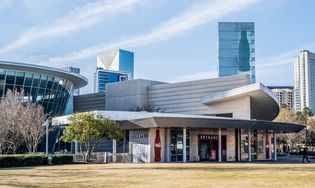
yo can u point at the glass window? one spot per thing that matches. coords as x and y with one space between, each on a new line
177 145
36 80
20 78
43 82
10 77
28 79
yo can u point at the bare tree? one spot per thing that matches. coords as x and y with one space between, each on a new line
32 128
12 117
21 122
147 108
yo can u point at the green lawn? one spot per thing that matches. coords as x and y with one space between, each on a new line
162 175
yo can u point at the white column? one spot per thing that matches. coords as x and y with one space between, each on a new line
114 150
274 145
249 148
76 148
219 145
184 145
124 142
47 135
167 145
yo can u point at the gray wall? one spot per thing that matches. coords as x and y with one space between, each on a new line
185 97
89 102
122 96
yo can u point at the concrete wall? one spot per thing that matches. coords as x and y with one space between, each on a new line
123 96
89 102
230 145
139 145
185 97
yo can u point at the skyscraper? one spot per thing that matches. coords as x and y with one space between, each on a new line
284 95
304 80
237 49
113 66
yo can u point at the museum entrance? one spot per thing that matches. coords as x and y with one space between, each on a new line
208 148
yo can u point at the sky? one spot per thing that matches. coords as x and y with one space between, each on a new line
173 40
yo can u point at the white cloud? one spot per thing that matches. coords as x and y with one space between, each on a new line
79 18
267 64
194 16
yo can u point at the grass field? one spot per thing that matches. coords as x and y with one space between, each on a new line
162 175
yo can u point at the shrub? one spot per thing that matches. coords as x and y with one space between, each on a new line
33 160
62 159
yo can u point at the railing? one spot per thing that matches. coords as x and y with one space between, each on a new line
105 157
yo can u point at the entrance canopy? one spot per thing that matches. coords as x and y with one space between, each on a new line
144 120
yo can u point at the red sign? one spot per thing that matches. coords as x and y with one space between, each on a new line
157 147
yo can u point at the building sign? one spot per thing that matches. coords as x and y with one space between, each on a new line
138 136
208 137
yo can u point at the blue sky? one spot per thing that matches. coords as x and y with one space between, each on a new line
173 40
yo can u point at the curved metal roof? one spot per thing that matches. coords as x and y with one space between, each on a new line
77 80
144 120
264 105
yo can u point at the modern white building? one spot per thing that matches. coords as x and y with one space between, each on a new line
219 119
284 94
304 80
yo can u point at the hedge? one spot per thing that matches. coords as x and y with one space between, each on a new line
33 160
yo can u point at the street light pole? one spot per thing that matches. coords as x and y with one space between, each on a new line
47 134
47 124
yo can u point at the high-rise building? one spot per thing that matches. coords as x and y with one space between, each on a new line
284 95
113 66
304 80
237 49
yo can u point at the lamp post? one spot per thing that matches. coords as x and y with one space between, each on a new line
47 133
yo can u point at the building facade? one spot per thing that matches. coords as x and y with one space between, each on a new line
219 119
103 77
47 86
113 66
237 49
304 80
284 94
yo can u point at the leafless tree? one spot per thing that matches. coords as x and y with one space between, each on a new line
12 117
147 108
21 122
32 128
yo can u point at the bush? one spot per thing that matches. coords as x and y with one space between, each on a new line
32 160
62 159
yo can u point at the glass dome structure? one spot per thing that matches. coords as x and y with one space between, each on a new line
47 86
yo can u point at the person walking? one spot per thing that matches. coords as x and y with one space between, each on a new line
305 156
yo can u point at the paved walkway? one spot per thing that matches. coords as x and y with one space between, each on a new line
293 159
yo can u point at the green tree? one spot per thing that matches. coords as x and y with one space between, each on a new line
89 129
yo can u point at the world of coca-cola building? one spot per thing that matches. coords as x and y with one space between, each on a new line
219 119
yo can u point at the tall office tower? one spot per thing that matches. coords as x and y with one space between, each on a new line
237 49
113 66
284 95
304 80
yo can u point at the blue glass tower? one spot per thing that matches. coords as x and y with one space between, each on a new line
113 66
237 49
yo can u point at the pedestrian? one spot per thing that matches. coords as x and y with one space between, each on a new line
305 155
